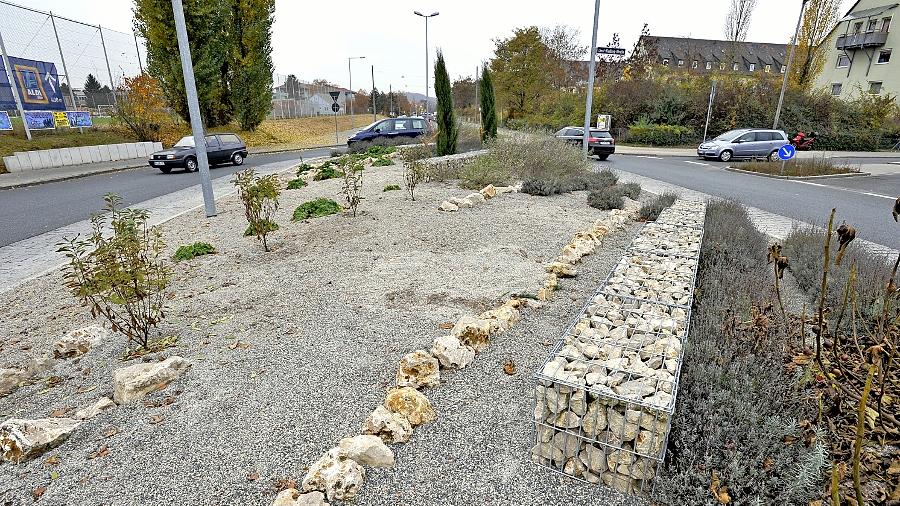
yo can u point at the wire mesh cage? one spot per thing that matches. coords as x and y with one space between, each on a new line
604 397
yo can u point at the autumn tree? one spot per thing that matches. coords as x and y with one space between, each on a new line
464 93
488 106
819 19
520 70
448 130
737 22
142 107
564 48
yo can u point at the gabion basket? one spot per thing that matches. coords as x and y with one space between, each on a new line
604 398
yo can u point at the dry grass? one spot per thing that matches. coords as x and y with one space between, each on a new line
819 166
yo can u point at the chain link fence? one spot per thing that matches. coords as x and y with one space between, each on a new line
295 98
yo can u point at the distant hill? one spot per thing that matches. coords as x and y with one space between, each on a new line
418 97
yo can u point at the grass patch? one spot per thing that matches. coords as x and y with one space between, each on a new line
391 187
650 211
380 151
327 172
316 209
268 225
382 162
296 184
798 167
190 251
303 169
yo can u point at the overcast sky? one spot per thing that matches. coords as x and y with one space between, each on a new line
313 38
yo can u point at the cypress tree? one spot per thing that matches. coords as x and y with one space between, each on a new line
488 110
448 130
252 66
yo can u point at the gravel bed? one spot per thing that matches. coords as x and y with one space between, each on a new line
292 349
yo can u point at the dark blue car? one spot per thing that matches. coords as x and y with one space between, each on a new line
403 129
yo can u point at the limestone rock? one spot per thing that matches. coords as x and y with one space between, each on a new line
367 450
594 421
593 458
11 378
621 427
501 319
338 476
390 427
505 189
473 332
548 452
476 198
88 412
567 443
410 403
418 369
448 206
79 341
23 439
451 353
293 497
489 191
135 381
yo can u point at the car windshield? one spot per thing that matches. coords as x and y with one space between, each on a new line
603 134
185 142
372 125
729 135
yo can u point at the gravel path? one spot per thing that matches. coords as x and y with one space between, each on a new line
293 348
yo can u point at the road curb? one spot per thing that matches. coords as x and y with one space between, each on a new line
798 178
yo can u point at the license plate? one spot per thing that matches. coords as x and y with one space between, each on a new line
158 163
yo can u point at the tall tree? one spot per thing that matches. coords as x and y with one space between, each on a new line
252 61
520 70
488 106
464 93
819 19
91 84
737 22
448 130
564 49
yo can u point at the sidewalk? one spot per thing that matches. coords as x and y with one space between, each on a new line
623 149
32 177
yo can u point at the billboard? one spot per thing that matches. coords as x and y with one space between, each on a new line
38 84
40 120
5 123
79 119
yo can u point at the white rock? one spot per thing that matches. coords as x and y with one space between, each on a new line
473 332
593 458
88 412
79 341
619 426
390 427
418 369
451 353
548 452
476 197
11 378
448 206
293 497
367 450
135 381
23 439
566 443
338 476
594 421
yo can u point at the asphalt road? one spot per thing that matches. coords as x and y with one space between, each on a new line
33 210
864 201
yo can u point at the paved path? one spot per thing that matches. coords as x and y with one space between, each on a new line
845 156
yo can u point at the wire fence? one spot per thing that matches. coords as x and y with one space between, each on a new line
295 98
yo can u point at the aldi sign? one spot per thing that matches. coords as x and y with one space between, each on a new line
38 84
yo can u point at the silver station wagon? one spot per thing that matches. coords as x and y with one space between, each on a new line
744 143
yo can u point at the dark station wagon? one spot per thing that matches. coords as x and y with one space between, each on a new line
220 148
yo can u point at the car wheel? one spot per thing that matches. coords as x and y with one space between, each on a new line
237 159
165 170
190 164
602 158
773 156
725 156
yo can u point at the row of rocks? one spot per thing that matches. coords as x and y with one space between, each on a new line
605 396
339 473
473 199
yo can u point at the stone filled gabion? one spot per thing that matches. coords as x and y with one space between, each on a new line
605 396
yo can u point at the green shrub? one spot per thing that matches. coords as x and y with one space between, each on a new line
391 187
606 199
315 209
260 198
650 211
606 178
630 190
541 187
189 251
380 151
296 184
482 171
327 172
848 140
660 135
262 227
303 169
382 162
417 152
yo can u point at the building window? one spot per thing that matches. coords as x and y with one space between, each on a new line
836 88
783 69
722 66
665 61
752 67
872 24
857 27
884 56
875 87
843 61
768 68
886 24
694 64
681 63
709 65
734 67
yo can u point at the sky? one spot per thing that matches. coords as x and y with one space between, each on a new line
313 39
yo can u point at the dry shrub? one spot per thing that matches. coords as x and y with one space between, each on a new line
650 211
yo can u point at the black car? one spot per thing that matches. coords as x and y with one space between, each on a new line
403 128
600 142
220 148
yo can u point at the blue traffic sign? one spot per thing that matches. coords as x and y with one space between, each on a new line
787 152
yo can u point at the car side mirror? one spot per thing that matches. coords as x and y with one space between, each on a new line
378 130
737 141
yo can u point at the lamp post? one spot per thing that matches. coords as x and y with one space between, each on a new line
350 71
433 14
592 68
787 70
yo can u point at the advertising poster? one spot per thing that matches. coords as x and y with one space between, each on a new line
79 119
38 84
5 122
60 119
39 120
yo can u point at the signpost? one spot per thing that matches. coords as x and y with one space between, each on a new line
786 152
616 51
335 107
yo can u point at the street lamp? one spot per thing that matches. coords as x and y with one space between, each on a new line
787 70
433 14
350 71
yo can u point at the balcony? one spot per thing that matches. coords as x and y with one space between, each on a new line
861 40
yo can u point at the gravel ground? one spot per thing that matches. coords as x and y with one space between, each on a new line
321 322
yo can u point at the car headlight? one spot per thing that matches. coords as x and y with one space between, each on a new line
170 157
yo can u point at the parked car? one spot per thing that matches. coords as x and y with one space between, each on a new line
393 128
600 142
220 148
744 143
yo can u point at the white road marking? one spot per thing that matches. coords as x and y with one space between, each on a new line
696 163
870 194
651 157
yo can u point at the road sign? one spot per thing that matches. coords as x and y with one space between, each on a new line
786 152
618 51
335 107
334 95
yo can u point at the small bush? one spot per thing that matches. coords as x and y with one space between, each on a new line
482 171
315 209
303 169
660 135
382 162
541 187
380 151
650 211
296 184
417 152
413 174
606 199
353 181
327 172
189 251
391 187
262 227
818 166
260 198
630 190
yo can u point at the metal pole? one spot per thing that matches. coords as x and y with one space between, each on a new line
15 87
787 70
391 98
187 68
426 66
112 85
350 71
477 103
137 50
336 140
65 69
712 96
590 91
374 105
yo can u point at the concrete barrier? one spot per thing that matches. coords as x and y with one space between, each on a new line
62 157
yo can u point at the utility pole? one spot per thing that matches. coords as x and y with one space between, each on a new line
391 97
190 87
712 96
477 103
15 87
374 105
590 91
433 14
787 70
350 71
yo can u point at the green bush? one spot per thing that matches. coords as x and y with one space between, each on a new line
303 169
482 171
606 199
327 172
848 140
417 152
541 187
391 187
259 194
630 190
379 151
315 209
189 251
264 227
296 184
660 135
382 162
650 211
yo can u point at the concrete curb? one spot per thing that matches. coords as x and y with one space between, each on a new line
798 178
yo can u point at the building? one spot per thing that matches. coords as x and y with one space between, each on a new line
859 52
705 55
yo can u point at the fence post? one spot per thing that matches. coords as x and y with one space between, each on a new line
112 85
65 68
15 87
